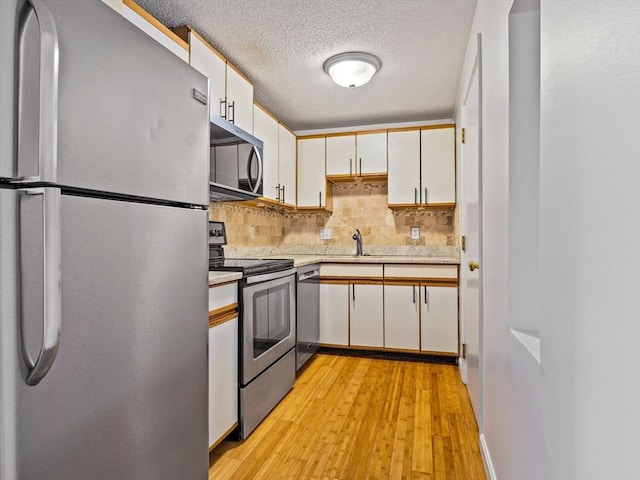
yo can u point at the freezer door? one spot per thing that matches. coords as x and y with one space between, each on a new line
126 116
126 396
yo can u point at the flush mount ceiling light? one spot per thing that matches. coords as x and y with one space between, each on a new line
352 69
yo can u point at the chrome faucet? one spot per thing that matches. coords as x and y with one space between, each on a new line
358 238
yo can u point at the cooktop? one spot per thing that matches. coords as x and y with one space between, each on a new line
250 266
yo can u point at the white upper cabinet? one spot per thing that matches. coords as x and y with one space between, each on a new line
239 99
311 173
156 30
265 128
230 93
404 167
211 64
438 166
371 151
279 157
341 154
287 165
422 167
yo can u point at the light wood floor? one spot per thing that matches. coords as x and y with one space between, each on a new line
360 418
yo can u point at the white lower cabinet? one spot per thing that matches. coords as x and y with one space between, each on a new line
223 361
223 379
402 317
366 310
439 319
334 314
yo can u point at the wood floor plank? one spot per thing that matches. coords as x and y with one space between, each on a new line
360 418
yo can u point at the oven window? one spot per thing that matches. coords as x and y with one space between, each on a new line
271 318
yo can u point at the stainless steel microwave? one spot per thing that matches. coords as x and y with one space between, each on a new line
236 165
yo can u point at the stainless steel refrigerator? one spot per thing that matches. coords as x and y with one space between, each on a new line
103 249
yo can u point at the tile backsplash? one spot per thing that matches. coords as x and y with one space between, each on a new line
361 205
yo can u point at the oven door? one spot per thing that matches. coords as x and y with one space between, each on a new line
268 321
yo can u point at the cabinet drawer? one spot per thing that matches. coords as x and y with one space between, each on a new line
223 296
350 270
449 272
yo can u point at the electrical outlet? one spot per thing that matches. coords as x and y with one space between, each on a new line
325 233
252 231
415 233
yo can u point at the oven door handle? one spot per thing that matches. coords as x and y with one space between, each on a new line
269 276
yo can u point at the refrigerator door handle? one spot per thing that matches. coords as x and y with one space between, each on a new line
51 322
48 102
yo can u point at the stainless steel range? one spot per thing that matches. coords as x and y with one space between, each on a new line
267 328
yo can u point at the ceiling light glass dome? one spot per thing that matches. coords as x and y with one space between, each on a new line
352 69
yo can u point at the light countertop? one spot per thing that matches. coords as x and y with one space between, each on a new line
302 260
216 278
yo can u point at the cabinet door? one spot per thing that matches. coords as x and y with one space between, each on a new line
341 154
439 319
211 64
371 149
155 30
438 166
404 167
239 100
266 129
311 173
334 314
366 315
223 379
287 165
402 317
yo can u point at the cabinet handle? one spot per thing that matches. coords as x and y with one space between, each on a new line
426 295
360 165
426 192
415 196
353 292
223 107
278 193
351 166
232 108
414 294
282 194
319 199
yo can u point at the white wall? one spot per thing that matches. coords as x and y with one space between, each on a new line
577 414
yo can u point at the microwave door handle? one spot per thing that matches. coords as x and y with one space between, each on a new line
254 154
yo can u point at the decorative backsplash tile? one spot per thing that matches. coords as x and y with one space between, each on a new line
355 205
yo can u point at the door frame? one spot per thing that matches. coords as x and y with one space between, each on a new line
476 70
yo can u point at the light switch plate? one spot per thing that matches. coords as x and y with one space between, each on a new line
415 233
325 233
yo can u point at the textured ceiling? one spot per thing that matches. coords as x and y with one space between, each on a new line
281 46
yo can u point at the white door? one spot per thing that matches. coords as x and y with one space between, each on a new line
471 227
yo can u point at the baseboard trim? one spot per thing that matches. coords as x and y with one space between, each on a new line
486 458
